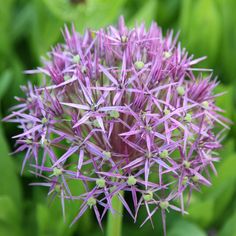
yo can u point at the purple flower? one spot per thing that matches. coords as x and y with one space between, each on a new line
129 113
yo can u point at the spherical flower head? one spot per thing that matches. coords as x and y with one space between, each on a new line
121 111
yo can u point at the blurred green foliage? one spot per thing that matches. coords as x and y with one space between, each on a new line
28 28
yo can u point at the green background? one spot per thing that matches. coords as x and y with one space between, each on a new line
28 28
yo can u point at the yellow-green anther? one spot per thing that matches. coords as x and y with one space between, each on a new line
93 34
28 141
195 178
44 142
100 182
180 90
185 180
96 124
164 154
44 120
164 205
67 77
57 171
106 154
148 196
91 201
148 128
191 138
148 155
93 107
166 112
205 104
131 180
124 39
167 54
187 164
114 114
188 118
76 59
139 65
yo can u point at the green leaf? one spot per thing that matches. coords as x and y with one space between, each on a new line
9 182
225 101
223 185
9 217
53 212
22 21
185 228
45 28
167 12
5 18
209 205
145 14
91 14
227 149
5 79
16 79
44 214
227 48
201 32
229 227
201 212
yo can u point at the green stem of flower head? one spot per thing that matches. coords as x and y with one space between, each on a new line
114 223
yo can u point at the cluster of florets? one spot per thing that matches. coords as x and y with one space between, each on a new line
120 111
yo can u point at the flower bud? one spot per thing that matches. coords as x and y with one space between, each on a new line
100 182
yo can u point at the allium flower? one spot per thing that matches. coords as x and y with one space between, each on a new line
129 113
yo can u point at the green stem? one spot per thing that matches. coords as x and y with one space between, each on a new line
114 223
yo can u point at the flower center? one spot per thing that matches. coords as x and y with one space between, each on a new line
76 59
57 171
100 182
107 155
91 202
164 205
187 164
180 90
164 154
139 65
131 180
148 196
